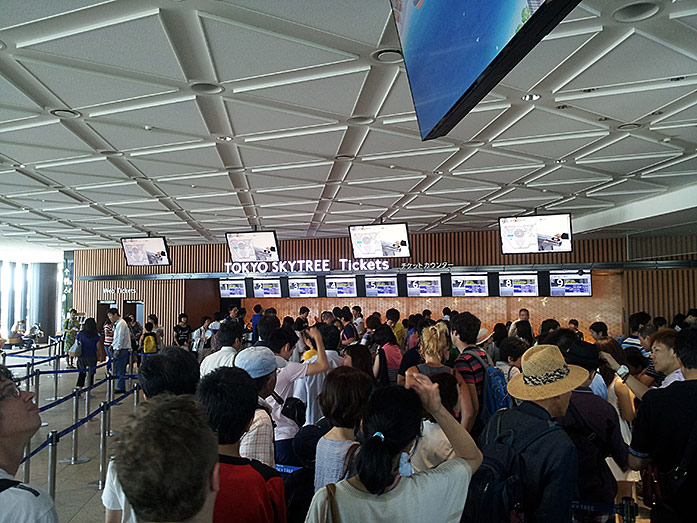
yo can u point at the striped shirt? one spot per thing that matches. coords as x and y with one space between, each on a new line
471 370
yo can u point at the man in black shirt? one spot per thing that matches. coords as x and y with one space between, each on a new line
664 427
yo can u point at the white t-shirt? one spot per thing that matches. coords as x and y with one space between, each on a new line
285 428
358 323
308 388
432 449
225 357
22 504
433 495
113 497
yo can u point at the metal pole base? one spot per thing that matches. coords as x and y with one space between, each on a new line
44 423
96 485
70 461
110 433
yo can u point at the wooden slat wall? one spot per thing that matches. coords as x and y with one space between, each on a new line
162 298
661 293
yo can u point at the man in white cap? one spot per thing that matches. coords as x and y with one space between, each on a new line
261 364
549 461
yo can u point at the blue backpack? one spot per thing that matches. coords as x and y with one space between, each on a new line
495 395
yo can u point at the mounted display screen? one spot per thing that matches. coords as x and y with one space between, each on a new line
473 284
380 241
302 287
423 285
146 251
570 283
233 289
267 288
344 286
518 284
456 51
533 234
381 287
252 246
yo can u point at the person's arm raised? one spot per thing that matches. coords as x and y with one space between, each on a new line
322 362
637 387
463 444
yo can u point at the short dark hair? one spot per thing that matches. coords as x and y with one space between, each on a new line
271 311
217 316
71 311
229 333
304 310
204 319
183 315
232 307
665 337
523 310
258 308
153 319
384 335
344 394
336 311
550 325
331 337
426 313
574 323
148 326
171 434
446 311
280 338
113 311
347 316
266 325
392 315
360 358
173 370
358 309
599 327
467 326
230 398
660 322
636 322
686 348
562 338
512 347
372 322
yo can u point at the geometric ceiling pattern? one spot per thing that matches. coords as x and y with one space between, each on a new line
189 119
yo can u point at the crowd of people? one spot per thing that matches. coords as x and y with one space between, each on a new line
378 418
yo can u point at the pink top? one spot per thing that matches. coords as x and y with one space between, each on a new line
393 354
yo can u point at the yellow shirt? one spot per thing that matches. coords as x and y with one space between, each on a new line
308 354
400 334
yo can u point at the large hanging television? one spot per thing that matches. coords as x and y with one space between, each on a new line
535 234
380 241
456 51
252 246
146 251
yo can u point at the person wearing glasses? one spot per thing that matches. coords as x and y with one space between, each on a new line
19 421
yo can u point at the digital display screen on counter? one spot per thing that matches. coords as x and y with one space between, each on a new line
518 284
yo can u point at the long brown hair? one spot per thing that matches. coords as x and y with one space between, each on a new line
614 349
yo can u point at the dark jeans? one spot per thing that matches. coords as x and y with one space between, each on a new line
120 363
285 455
87 364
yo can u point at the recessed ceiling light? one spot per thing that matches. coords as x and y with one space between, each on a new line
560 160
148 127
530 97
667 139
18 165
629 127
361 120
65 113
224 138
207 88
474 143
109 153
603 119
387 56
344 157
437 172
636 12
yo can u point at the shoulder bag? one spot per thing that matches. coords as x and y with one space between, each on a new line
76 350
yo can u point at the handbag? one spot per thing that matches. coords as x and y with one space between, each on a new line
76 350
658 487
292 408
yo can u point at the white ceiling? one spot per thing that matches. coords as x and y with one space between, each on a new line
293 74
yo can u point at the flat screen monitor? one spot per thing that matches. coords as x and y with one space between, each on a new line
456 51
252 246
233 289
267 288
141 252
380 241
534 234
470 284
381 287
341 287
423 285
520 284
570 283
302 287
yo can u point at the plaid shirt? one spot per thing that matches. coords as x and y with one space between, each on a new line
258 442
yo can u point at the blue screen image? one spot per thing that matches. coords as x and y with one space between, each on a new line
447 45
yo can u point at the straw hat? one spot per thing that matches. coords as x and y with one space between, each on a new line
545 374
483 335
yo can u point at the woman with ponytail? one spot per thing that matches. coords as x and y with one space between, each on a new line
391 425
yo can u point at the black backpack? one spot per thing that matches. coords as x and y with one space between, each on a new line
496 491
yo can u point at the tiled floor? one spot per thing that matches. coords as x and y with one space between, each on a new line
76 500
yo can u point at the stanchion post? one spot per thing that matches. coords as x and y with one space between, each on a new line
131 361
87 403
74 459
56 368
136 396
36 386
27 385
102 445
52 462
33 354
26 466
4 359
